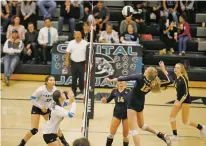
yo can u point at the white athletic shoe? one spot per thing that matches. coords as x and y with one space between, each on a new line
174 138
203 131
167 140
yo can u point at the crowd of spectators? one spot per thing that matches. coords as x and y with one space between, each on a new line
19 17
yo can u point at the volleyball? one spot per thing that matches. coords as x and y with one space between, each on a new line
127 11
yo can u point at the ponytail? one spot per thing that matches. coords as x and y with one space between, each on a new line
155 85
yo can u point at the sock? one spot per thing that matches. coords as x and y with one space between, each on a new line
63 140
125 143
160 135
199 127
109 142
22 143
174 132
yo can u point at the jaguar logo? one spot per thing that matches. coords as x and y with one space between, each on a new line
104 66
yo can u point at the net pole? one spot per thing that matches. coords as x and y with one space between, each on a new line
88 79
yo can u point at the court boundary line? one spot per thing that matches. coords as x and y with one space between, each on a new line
99 102
101 132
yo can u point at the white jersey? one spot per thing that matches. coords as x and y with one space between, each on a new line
57 114
42 98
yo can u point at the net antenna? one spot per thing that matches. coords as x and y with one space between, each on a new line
91 21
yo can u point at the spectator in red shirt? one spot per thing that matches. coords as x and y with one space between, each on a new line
184 35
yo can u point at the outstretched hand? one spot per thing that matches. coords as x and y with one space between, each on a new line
162 65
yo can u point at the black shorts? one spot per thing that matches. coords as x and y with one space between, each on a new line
120 116
49 138
137 108
36 110
187 101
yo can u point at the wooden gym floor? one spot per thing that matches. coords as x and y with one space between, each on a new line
16 108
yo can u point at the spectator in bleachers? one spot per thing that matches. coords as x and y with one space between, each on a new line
167 35
129 36
5 15
43 4
184 34
124 24
78 4
153 11
47 37
170 7
140 17
187 8
31 52
14 6
109 35
101 14
12 49
86 33
87 9
28 11
81 142
68 14
16 25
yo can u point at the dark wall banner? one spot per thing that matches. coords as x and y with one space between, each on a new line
111 60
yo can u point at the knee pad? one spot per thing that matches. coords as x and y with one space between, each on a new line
144 127
187 123
133 132
110 136
172 119
34 131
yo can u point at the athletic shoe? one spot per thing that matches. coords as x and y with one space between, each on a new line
167 140
6 80
174 138
203 131
183 53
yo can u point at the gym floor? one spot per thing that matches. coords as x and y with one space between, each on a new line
16 118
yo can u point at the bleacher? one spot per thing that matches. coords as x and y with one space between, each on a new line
195 53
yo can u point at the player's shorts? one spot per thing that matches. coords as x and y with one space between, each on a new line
36 110
120 116
187 100
136 107
49 138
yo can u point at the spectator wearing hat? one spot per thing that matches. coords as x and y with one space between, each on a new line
47 37
12 49
16 25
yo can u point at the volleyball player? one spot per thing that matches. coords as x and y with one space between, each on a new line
57 114
144 84
41 100
182 102
120 95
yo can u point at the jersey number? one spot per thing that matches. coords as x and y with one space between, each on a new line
120 99
145 88
48 100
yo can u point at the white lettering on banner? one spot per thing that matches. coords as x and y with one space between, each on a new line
89 105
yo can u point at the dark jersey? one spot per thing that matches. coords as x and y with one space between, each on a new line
181 85
121 99
141 88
